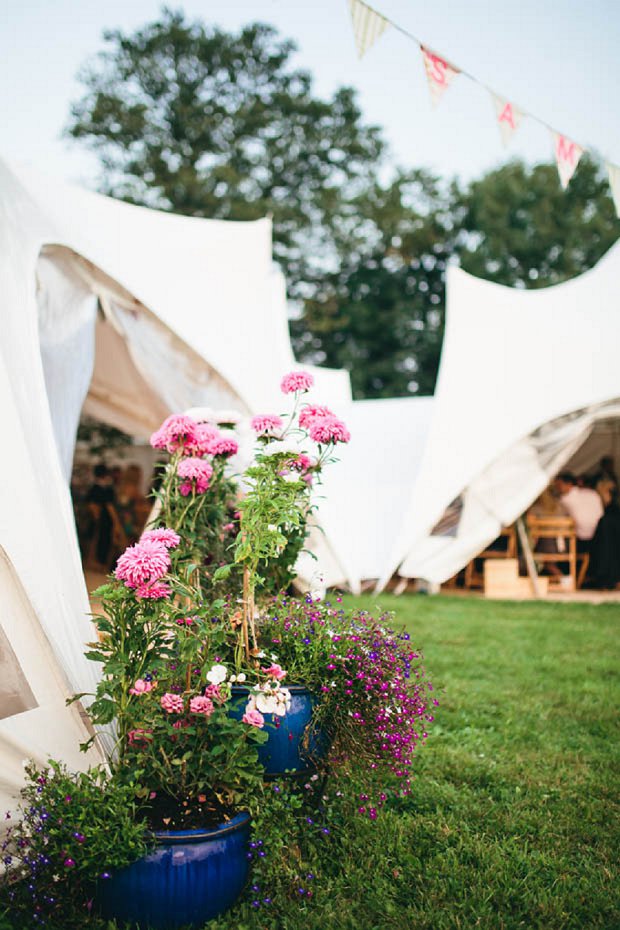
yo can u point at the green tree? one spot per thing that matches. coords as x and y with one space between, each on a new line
380 315
521 229
214 124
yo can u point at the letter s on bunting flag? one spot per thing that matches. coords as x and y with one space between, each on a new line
367 25
439 74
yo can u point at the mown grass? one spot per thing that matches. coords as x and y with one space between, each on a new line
514 819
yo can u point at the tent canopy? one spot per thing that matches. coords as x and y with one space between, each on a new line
130 314
524 378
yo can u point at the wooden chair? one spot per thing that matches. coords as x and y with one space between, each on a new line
473 576
562 531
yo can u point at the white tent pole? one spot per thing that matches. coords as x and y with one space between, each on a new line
529 556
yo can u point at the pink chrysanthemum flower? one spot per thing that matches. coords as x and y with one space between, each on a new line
266 424
204 438
174 433
144 561
194 470
296 381
201 705
153 590
225 445
163 535
310 412
328 429
172 703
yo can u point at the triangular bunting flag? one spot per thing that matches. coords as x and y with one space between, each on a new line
613 172
567 155
508 117
439 74
367 25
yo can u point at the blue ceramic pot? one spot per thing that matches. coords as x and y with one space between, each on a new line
292 746
190 877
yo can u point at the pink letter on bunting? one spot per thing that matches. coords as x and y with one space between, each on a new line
508 117
567 155
439 74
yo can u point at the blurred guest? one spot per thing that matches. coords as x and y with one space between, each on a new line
583 505
130 499
101 503
605 480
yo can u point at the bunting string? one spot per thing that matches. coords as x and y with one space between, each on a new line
369 25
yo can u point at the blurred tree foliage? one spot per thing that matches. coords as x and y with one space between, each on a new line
189 118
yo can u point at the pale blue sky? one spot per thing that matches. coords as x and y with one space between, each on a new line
557 59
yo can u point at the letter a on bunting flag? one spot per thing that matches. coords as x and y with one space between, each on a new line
567 155
508 117
613 173
439 74
367 25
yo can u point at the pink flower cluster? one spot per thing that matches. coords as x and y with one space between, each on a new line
201 705
182 433
141 686
267 424
163 535
196 473
175 432
142 565
324 430
323 426
275 671
296 381
172 703
253 718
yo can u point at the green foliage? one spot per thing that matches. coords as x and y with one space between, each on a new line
519 228
380 314
72 831
206 522
513 821
208 123
217 124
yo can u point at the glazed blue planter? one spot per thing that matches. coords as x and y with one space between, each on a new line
190 877
291 746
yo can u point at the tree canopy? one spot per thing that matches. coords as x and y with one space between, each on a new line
193 119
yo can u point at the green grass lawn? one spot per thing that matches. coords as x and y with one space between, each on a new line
514 818
514 821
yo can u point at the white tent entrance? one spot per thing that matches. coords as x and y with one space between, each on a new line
526 378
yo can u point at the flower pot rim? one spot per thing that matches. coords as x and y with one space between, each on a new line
197 834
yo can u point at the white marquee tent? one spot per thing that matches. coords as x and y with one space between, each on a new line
129 314
528 381
364 493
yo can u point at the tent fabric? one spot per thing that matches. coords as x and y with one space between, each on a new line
361 500
128 314
524 378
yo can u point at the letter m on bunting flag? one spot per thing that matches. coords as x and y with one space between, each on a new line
439 74
368 25
567 155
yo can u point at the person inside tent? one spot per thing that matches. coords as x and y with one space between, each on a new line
605 480
583 505
101 504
